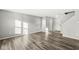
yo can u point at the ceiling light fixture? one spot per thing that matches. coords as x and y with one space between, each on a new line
69 12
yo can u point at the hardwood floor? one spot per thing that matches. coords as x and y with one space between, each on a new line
40 41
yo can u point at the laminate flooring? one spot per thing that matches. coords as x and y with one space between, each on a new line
40 41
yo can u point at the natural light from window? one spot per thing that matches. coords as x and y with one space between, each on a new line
43 24
21 27
17 27
25 28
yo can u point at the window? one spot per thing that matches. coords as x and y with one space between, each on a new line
25 28
21 27
17 27
43 24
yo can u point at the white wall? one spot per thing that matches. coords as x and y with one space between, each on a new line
71 27
47 22
7 22
34 23
50 23
60 20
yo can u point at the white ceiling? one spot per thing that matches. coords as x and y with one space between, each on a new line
42 12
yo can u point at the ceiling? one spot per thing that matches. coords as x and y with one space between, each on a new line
42 12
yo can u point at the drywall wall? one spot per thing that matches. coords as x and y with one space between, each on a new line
34 23
60 20
7 22
47 23
71 27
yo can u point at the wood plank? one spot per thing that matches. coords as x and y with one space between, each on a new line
40 41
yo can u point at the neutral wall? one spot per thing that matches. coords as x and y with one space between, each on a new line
47 23
71 27
60 20
7 25
34 23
